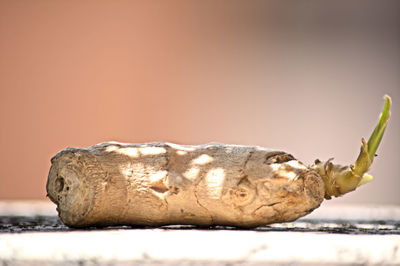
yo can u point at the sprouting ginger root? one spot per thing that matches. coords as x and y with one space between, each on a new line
156 184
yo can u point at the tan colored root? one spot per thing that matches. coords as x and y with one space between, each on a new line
157 184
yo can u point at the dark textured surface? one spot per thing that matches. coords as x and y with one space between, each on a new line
32 234
21 224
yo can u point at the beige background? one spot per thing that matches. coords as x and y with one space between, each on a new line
306 77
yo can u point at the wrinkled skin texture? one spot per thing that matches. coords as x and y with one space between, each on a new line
155 184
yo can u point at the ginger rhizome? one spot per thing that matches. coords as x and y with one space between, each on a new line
155 184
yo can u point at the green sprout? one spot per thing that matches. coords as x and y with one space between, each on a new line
343 179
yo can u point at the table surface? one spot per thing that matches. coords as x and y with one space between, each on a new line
32 234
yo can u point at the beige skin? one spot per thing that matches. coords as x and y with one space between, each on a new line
157 184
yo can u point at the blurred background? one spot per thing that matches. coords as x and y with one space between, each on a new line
307 77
